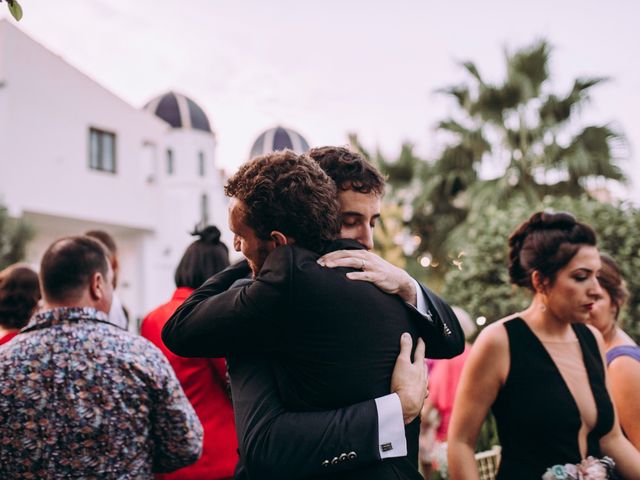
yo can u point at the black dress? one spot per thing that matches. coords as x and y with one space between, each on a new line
537 417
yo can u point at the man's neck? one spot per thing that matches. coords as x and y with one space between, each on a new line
48 305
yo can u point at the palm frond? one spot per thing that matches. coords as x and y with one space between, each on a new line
590 154
460 93
473 71
530 67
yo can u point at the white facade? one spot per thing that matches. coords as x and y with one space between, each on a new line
47 109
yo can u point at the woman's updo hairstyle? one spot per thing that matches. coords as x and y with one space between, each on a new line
203 258
546 242
610 278
19 295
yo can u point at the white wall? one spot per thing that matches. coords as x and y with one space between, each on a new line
45 155
46 110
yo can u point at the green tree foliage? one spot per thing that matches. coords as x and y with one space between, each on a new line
14 237
518 128
482 286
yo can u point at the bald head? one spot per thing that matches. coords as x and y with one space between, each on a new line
72 268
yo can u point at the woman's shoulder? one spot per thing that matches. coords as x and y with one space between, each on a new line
497 331
625 368
624 356
490 351
495 335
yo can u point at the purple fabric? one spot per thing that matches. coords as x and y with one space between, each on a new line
632 351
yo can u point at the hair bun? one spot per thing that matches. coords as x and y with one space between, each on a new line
551 220
209 234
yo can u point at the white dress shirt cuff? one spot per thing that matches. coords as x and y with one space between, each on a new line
421 302
391 439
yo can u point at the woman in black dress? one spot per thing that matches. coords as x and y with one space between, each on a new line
541 370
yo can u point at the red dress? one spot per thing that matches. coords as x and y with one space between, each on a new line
204 382
8 337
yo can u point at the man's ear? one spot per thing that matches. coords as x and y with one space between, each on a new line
96 286
280 238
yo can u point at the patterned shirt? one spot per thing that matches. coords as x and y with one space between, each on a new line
81 398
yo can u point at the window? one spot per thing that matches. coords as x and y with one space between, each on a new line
149 161
170 165
102 150
204 210
201 167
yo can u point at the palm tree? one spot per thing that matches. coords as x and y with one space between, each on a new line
533 130
516 128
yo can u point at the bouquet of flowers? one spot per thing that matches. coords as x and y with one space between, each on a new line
589 469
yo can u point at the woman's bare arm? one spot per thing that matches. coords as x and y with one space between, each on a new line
482 376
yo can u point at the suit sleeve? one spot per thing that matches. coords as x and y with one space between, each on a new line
286 445
439 327
214 321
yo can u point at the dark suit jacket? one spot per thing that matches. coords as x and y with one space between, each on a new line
334 342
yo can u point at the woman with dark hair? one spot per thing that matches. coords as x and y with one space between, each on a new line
19 297
541 370
622 353
204 380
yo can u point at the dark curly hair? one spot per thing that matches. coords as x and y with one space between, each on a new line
204 257
19 295
349 169
545 243
290 193
610 278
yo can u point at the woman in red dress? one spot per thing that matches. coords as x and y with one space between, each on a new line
19 297
204 380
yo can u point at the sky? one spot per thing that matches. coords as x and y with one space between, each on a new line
327 68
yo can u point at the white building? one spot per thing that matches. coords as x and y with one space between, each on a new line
74 157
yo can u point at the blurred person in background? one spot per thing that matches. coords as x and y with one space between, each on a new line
541 370
118 315
444 376
622 353
81 398
204 380
19 297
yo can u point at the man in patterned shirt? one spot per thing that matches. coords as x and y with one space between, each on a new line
81 398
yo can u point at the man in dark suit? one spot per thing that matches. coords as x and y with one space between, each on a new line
255 250
360 190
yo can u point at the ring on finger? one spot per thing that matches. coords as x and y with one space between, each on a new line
364 263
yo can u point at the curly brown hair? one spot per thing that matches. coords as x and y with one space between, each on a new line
349 169
290 193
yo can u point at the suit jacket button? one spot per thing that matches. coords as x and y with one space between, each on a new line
325 463
342 457
352 455
334 461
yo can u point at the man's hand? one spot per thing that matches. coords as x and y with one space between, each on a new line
382 274
409 380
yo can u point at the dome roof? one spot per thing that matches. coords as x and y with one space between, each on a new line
279 138
179 111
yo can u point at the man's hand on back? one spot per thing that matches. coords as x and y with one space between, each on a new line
382 274
409 379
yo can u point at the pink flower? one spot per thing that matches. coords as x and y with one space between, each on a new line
571 470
